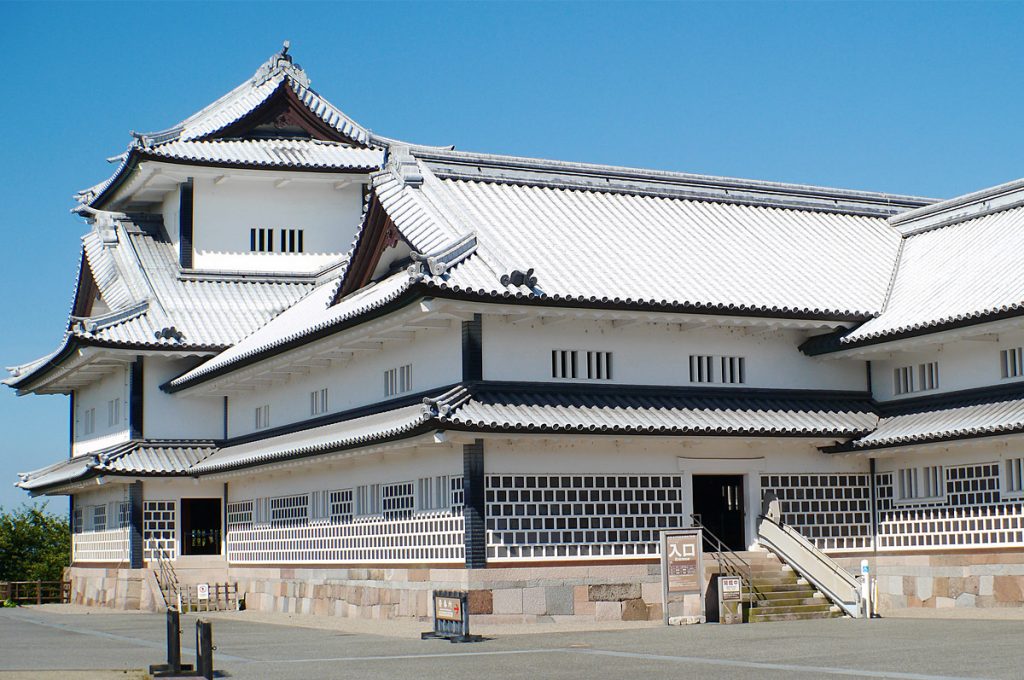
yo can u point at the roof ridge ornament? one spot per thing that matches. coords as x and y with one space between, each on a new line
280 63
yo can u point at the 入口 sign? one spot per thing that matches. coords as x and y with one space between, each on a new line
682 572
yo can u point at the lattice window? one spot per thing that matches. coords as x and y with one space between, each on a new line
926 484
434 493
114 412
398 500
263 417
318 402
99 518
397 380
158 529
89 421
580 516
565 363
920 378
291 241
458 495
240 515
261 240
1014 476
341 506
973 513
833 511
1011 362
109 545
77 523
368 500
289 510
123 514
726 370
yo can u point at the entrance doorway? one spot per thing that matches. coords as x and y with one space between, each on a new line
718 504
200 526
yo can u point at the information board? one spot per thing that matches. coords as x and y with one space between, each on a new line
203 591
447 608
732 588
682 567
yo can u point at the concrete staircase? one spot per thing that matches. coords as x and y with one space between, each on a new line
779 594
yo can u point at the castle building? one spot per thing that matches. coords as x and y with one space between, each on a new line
343 370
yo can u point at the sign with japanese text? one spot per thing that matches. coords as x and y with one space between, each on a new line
731 587
447 608
683 563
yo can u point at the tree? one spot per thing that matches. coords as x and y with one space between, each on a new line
34 545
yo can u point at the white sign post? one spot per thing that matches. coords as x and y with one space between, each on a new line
865 587
203 591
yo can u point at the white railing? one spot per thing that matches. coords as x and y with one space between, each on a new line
834 582
110 545
433 537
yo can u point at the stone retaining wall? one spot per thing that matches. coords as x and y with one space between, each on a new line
114 588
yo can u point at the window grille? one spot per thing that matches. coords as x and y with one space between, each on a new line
921 483
565 364
263 417
158 529
580 516
319 506
123 514
261 240
434 493
99 518
1015 476
77 524
1011 362
318 402
240 515
368 499
114 412
89 421
397 500
291 240
909 379
397 380
289 510
458 495
341 506
726 370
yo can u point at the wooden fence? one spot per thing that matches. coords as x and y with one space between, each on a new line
35 592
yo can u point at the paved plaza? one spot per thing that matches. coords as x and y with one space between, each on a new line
48 639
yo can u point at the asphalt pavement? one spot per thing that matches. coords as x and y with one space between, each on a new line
908 649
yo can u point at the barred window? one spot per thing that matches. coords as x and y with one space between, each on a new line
1014 476
318 402
927 482
920 378
289 510
397 380
1011 362
397 500
726 370
263 417
341 506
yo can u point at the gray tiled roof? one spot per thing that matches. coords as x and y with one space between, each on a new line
938 424
277 153
955 274
625 410
141 458
612 235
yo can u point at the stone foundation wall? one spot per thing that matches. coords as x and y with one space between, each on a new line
114 588
993 579
496 595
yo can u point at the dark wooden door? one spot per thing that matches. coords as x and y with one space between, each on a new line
718 502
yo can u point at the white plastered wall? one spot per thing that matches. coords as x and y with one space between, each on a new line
224 213
658 354
435 355
97 396
167 416
964 364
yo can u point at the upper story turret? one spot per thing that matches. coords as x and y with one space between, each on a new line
268 179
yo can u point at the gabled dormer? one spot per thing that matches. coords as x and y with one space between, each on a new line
269 179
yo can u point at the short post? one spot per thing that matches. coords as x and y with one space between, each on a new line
39 592
173 665
865 588
204 649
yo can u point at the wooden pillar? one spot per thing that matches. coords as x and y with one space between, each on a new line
135 519
473 512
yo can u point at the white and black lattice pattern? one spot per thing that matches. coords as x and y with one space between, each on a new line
973 513
398 500
433 537
833 511
580 516
158 529
341 506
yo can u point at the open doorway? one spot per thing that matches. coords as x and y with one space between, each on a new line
718 504
200 526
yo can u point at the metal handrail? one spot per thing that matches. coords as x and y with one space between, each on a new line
727 558
167 578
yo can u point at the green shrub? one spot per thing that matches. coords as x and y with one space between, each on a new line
34 545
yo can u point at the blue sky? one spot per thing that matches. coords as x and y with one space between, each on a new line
919 98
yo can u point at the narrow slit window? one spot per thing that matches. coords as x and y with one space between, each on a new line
318 402
263 417
1011 362
1015 475
398 380
724 370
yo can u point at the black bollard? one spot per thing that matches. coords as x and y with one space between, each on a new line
204 649
173 665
